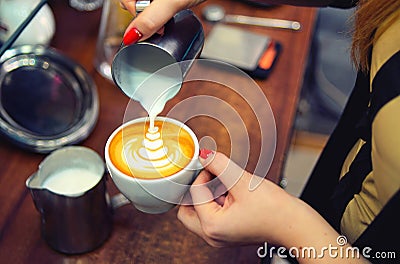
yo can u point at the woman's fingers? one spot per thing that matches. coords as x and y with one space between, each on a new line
204 190
188 214
153 17
227 171
201 193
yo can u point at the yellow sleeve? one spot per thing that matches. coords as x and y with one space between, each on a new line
386 150
384 179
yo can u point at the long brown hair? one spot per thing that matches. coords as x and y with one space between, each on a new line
369 16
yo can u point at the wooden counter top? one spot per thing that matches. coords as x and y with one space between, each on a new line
139 237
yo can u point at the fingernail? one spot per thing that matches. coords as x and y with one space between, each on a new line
132 36
205 153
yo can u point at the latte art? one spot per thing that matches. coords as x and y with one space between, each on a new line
152 154
142 152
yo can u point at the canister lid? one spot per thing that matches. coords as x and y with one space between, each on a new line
46 100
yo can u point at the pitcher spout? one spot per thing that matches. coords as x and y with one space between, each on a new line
32 182
34 186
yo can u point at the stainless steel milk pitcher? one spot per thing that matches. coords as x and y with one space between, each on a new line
72 223
181 43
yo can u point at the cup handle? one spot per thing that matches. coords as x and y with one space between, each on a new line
119 200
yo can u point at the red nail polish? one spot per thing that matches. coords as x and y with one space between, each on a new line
205 153
132 36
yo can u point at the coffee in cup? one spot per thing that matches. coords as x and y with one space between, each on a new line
153 167
142 152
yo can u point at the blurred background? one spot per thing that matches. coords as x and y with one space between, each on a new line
328 82
329 79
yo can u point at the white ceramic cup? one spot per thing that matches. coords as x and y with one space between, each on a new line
159 195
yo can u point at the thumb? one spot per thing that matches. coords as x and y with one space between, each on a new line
227 171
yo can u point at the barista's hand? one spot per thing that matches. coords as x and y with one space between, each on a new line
267 213
242 216
153 18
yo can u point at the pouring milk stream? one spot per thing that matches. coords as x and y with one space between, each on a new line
154 90
151 88
152 71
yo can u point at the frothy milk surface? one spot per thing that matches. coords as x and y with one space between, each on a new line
71 181
151 153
